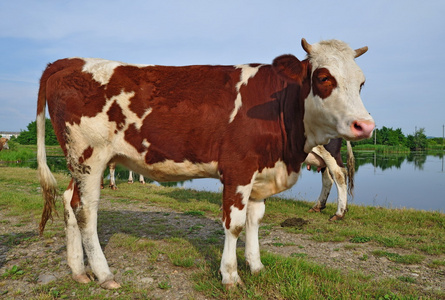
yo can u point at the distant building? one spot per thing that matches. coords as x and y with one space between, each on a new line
8 134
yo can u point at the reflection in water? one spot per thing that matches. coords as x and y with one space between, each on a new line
412 180
388 161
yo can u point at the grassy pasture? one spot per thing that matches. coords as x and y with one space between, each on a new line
403 236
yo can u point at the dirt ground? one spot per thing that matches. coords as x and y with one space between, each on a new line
28 247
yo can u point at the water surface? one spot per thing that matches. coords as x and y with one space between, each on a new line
394 181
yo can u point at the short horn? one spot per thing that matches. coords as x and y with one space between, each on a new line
360 51
306 46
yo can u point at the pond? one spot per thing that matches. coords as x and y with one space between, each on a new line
413 180
393 181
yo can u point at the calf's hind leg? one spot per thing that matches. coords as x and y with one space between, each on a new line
71 202
86 216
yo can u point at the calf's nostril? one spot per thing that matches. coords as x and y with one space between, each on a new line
357 126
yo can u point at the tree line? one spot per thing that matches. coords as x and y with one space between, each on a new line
395 137
384 136
29 136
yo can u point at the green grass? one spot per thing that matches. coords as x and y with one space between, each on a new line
13 156
18 152
297 278
418 233
404 259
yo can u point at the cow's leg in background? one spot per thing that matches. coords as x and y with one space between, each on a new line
255 212
340 178
112 167
338 175
112 185
130 177
327 182
141 179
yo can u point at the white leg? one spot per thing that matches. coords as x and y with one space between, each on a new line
87 221
112 168
234 219
255 212
73 239
130 177
338 174
340 179
229 266
141 179
327 182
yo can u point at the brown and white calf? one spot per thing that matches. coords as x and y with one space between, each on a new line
328 160
251 126
4 144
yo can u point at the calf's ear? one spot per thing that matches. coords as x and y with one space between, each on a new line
290 68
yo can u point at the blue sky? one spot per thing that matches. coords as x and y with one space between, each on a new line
404 65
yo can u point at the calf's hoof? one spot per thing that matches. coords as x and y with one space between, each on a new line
110 285
231 286
82 278
256 271
336 218
315 209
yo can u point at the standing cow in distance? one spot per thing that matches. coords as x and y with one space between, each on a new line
328 160
113 185
251 126
4 144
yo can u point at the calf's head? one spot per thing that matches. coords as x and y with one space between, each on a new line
333 107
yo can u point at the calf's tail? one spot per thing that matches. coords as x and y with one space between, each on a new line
47 181
350 164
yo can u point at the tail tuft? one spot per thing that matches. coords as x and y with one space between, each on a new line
49 191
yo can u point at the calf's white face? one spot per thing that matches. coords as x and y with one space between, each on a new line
334 108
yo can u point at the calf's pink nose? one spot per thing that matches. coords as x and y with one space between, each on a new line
362 129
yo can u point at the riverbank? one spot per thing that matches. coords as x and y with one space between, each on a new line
164 242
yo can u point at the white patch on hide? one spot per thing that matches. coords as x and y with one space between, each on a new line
168 170
103 69
272 181
247 72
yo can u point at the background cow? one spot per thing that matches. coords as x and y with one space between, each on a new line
251 126
130 177
4 143
328 160
113 185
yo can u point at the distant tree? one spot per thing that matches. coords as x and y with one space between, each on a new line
29 136
418 141
390 137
